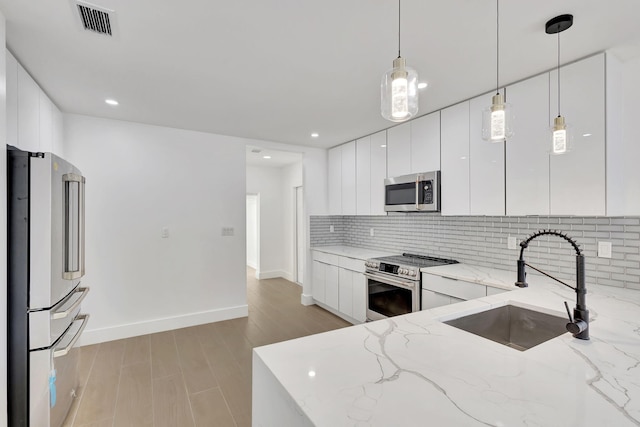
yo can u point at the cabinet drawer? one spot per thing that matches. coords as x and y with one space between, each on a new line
326 258
452 287
352 264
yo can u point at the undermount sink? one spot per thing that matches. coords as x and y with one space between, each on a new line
516 327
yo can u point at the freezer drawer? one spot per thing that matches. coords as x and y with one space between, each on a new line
50 399
46 326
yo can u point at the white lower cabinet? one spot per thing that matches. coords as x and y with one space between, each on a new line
339 288
439 290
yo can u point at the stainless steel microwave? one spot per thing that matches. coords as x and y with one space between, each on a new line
419 192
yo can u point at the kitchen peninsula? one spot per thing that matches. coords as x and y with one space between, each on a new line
415 370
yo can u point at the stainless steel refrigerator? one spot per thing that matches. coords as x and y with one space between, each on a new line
45 207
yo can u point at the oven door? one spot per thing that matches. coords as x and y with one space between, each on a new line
390 296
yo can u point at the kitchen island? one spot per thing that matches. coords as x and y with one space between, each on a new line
416 370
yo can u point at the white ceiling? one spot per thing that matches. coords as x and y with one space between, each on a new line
280 69
276 159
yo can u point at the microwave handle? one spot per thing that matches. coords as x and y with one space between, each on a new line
417 192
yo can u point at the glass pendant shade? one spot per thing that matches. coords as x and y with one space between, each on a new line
497 120
561 137
399 92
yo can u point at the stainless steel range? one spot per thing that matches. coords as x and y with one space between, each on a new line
393 283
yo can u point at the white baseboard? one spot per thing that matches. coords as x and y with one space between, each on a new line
307 299
252 265
95 336
337 313
272 274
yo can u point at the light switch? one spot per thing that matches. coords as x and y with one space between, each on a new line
604 249
164 233
512 243
331 229
227 231
371 232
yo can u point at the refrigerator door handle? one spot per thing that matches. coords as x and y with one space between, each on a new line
64 310
74 226
59 352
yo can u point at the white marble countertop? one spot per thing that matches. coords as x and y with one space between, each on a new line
352 252
487 276
414 370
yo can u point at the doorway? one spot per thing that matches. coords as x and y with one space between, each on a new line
253 232
300 237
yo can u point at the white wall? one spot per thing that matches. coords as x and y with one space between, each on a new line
3 229
291 178
142 178
252 230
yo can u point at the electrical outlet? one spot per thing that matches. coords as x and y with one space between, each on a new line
164 233
604 249
512 243
331 229
227 231
371 232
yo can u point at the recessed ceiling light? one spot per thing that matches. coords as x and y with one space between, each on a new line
383 146
587 134
111 101
266 157
315 135
312 374
422 85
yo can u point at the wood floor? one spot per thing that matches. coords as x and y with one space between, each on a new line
198 376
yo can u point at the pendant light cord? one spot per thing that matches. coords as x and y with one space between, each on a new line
398 28
497 46
558 73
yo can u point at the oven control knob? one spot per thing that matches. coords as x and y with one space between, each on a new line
375 265
403 271
367 264
412 273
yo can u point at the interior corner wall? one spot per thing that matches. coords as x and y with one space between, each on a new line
267 183
141 179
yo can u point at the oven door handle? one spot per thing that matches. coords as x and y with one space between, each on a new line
402 284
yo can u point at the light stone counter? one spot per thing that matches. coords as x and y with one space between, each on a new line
413 370
502 279
352 252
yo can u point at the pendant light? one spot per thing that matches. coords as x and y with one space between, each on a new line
399 89
497 120
560 136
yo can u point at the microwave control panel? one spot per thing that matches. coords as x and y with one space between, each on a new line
428 192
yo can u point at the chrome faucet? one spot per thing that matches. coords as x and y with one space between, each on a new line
578 324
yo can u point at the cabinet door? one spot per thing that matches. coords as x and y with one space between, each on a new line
425 143
359 297
527 151
432 299
486 166
345 292
399 150
363 176
331 281
46 123
28 112
57 132
378 172
12 100
577 179
318 281
455 159
335 181
349 178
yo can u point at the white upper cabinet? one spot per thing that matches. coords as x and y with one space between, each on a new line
527 151
363 176
455 159
399 150
12 100
486 166
57 131
577 178
335 181
28 112
46 123
425 143
378 172
349 178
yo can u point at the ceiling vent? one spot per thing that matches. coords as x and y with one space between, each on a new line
256 150
95 18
